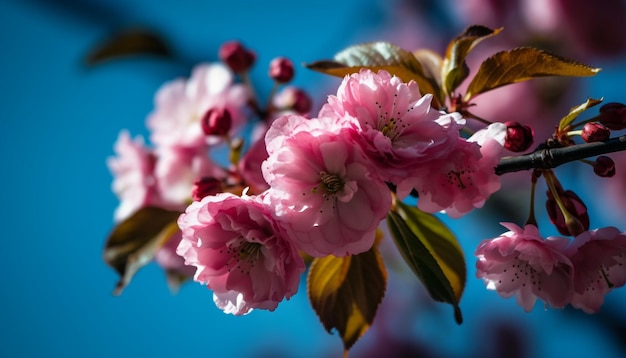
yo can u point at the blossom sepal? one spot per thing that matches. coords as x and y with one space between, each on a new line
432 252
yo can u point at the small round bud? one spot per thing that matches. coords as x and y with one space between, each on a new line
205 186
595 132
604 167
216 121
518 137
281 70
613 116
293 98
236 56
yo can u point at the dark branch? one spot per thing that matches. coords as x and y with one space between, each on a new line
552 158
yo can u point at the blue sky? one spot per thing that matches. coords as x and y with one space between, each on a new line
58 124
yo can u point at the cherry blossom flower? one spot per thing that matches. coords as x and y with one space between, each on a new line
465 178
178 168
240 252
250 164
395 125
172 263
521 263
599 259
324 190
181 104
133 175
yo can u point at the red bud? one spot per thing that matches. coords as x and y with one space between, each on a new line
236 56
518 137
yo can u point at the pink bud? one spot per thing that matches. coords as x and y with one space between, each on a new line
236 56
205 186
518 137
613 116
216 121
595 132
604 167
574 206
281 70
293 98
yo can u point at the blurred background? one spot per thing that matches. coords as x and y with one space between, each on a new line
60 118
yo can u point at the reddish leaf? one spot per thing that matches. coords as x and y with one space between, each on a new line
133 243
345 292
522 64
455 69
127 43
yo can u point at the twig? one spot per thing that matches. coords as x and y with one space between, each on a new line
553 157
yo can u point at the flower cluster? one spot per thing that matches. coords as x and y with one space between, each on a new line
240 195
320 185
556 270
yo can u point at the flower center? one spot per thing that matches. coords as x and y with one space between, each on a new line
332 182
460 178
244 255
390 123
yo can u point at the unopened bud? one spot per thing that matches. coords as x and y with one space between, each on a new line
613 116
595 132
236 56
281 70
216 121
518 137
293 98
205 186
578 217
604 167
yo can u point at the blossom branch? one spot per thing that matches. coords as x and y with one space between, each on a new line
548 158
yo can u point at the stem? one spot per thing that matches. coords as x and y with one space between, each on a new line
531 214
552 158
480 119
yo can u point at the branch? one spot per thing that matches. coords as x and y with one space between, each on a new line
552 158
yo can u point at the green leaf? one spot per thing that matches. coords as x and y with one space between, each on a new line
381 56
345 292
133 243
432 252
455 68
576 111
127 43
522 64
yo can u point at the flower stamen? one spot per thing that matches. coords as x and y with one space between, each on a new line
332 182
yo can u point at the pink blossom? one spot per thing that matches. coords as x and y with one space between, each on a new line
394 124
181 104
325 192
240 252
465 178
133 175
178 168
172 263
599 258
521 263
612 192
250 164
